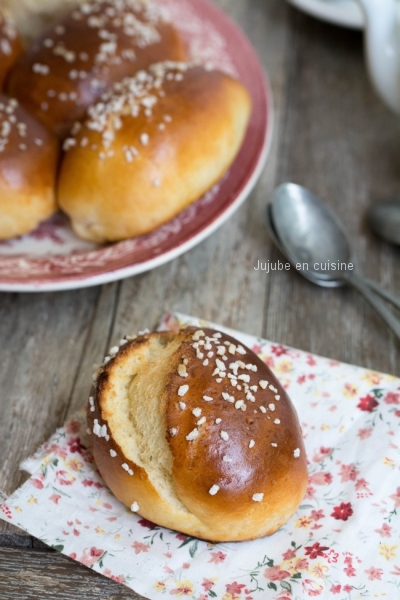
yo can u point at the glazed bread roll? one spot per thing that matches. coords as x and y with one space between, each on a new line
10 44
28 165
192 431
150 147
100 42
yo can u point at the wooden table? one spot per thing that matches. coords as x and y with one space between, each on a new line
332 135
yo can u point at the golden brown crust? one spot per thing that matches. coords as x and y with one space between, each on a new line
70 66
263 477
10 45
28 166
248 471
155 144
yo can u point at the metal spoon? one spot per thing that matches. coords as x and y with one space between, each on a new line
313 240
384 219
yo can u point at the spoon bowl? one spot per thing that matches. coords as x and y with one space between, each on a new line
311 234
313 240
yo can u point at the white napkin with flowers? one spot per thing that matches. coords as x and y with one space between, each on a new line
344 541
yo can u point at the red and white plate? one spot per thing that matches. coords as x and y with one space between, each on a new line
53 258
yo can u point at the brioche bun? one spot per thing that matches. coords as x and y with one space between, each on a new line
206 446
28 166
73 63
150 147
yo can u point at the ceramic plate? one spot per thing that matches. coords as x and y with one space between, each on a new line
53 258
346 13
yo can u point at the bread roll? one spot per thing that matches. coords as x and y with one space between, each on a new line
101 42
10 44
28 165
192 431
149 148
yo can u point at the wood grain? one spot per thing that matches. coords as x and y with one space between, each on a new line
34 575
332 135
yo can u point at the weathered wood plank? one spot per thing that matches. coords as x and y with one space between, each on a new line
34 574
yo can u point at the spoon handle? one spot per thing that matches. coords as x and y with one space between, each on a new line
382 292
391 321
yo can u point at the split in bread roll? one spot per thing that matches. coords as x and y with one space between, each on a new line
100 42
192 431
150 147
10 44
28 166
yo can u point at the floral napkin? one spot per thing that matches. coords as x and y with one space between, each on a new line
343 542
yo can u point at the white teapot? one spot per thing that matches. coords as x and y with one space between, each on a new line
382 44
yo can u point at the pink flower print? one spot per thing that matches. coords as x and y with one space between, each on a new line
384 531
322 454
207 584
397 413
374 573
117 578
311 360
276 573
361 484
185 589
348 588
168 569
139 547
72 427
37 481
279 350
396 498
348 473
396 570
367 403
335 589
55 498
289 554
76 532
317 514
350 571
320 478
312 587
75 445
342 512
181 536
87 482
64 478
310 493
234 588
392 398
257 349
350 390
363 434
316 550
217 557
72 555
300 563
90 556
185 565
301 379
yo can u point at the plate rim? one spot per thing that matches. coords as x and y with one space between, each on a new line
337 14
77 281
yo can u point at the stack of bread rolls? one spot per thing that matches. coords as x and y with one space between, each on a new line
143 133
192 431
